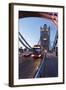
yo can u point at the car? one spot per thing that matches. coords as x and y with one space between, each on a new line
26 54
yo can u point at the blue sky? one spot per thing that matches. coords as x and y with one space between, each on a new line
30 29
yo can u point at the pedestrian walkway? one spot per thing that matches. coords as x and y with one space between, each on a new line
50 67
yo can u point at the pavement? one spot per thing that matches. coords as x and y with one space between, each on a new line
50 66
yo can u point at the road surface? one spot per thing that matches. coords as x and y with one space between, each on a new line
28 67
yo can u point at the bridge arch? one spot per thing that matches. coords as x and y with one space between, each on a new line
48 15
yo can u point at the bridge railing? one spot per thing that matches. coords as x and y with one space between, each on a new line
40 71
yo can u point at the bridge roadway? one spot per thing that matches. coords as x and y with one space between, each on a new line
28 66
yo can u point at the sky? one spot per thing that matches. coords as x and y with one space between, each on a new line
29 27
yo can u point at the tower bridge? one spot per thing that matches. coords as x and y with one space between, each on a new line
47 65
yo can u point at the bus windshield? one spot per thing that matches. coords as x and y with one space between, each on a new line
36 50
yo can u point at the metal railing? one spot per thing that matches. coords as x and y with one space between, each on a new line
40 71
